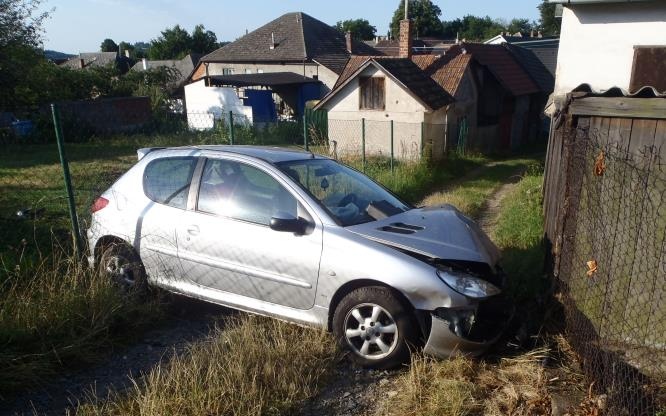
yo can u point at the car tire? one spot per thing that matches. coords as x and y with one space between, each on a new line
120 264
375 327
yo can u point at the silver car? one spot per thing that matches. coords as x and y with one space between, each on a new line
305 239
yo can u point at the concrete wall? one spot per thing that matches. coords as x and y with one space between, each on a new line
597 42
207 104
325 75
345 117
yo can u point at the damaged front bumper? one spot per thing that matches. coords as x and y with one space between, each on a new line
469 330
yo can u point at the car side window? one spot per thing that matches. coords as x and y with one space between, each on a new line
167 180
242 192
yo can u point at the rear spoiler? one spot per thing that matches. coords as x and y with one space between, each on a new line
144 151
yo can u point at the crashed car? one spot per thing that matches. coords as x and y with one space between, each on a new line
305 239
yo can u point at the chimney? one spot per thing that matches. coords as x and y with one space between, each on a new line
539 34
144 62
82 63
127 53
348 40
272 40
405 34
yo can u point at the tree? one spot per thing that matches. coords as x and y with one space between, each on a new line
203 41
108 45
549 24
173 44
20 40
360 29
519 25
423 13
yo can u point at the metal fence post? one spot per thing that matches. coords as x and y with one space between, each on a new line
231 128
76 232
305 131
392 146
422 139
363 141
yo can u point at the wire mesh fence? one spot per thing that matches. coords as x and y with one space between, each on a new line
612 261
101 139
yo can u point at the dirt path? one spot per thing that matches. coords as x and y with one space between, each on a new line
187 321
489 216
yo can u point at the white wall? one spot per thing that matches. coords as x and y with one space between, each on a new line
344 120
207 104
597 42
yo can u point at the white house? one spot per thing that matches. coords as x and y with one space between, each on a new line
611 43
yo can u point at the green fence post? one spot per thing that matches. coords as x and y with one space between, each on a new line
76 232
231 128
392 146
422 139
363 141
305 131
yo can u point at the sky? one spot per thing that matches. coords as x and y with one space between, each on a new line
81 25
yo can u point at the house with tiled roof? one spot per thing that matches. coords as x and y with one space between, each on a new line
473 96
86 60
294 42
274 69
182 68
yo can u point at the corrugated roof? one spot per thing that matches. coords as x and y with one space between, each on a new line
499 61
268 79
298 37
536 69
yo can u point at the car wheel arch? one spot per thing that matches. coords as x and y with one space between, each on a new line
352 285
107 241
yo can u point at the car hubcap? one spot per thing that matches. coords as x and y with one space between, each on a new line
371 331
120 270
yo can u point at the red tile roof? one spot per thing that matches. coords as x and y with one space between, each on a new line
502 65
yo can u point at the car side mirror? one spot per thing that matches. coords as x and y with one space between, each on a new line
284 222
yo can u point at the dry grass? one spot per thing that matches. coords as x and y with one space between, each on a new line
59 314
254 366
462 386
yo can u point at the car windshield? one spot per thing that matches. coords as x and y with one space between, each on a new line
349 196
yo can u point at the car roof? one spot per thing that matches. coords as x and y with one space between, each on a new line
267 153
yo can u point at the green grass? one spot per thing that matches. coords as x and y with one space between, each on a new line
519 233
471 195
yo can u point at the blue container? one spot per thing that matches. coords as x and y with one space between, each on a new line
23 128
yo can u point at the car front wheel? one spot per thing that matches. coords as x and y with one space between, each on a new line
373 324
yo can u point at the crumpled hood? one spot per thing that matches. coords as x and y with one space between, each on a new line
438 232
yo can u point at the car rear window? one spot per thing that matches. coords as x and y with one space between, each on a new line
167 181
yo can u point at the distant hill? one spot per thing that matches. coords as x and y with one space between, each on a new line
57 56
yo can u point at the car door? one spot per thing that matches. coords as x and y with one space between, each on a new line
226 244
166 184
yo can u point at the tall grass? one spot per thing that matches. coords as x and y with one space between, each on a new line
251 366
59 314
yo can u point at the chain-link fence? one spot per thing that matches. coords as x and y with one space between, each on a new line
100 139
611 254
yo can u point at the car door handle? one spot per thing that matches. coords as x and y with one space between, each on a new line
193 230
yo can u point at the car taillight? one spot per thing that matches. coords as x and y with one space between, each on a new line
99 204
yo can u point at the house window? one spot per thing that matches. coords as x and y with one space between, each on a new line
372 93
648 68
227 71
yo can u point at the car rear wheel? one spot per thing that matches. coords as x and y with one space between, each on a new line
120 264
374 326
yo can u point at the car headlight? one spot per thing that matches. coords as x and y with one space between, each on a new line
467 285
